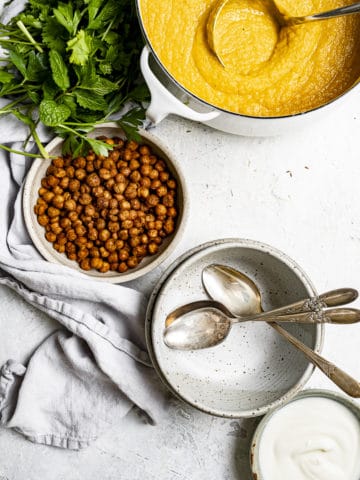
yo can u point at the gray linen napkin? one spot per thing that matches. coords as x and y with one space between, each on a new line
90 373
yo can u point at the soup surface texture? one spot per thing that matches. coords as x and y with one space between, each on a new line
269 71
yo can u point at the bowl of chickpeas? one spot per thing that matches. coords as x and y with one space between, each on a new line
113 217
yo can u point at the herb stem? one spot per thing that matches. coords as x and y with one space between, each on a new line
40 146
10 105
19 152
29 36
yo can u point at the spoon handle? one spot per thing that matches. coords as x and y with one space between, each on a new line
333 298
343 380
341 316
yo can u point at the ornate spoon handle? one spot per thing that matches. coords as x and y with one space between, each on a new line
344 381
333 298
342 316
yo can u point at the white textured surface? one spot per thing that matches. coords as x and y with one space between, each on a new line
299 193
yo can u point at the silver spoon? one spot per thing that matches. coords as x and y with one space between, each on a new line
207 323
338 376
282 19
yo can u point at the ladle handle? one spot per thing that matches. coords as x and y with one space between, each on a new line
341 316
333 298
337 12
344 381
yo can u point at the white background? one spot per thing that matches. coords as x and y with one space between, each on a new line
299 193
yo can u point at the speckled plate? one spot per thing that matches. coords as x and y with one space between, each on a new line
254 369
37 232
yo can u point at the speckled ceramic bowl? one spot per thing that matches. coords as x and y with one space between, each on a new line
36 231
254 369
256 441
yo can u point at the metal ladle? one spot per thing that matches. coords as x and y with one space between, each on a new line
282 19
217 279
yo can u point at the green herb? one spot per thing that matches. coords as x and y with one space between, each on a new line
72 65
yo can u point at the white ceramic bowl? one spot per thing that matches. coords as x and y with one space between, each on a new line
256 441
254 369
37 232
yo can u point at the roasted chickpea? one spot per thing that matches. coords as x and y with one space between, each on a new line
43 220
85 199
152 248
145 182
105 267
171 184
74 185
145 170
50 236
160 209
152 200
96 263
122 267
80 174
161 191
58 162
85 264
53 212
104 235
123 255
70 205
144 150
132 262
168 200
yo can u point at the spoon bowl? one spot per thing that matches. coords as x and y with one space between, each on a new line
281 19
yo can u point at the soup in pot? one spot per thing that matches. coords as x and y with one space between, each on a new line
268 70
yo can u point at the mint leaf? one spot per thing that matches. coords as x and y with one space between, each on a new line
91 101
70 102
5 77
50 89
80 46
99 85
52 114
59 70
37 67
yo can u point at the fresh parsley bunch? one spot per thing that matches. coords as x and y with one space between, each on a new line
71 65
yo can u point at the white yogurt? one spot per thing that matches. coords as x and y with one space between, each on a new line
313 438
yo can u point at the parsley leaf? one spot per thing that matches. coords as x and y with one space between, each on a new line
80 46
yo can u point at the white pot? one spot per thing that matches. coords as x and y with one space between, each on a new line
170 97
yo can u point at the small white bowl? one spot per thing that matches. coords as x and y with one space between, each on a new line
254 369
317 393
37 232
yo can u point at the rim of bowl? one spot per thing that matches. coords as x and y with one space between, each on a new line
214 245
310 392
208 104
127 276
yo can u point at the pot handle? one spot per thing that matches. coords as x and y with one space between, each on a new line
163 103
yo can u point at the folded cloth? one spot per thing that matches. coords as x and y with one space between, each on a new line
87 375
